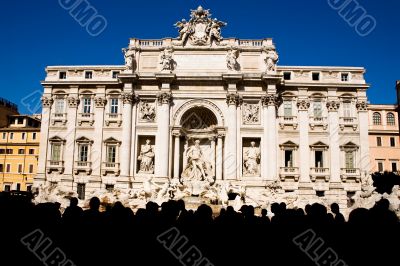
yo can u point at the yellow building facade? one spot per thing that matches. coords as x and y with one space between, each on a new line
384 138
19 152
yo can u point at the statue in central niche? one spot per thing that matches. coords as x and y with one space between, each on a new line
198 172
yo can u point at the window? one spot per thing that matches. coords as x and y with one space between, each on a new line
394 166
29 188
21 151
287 75
320 193
390 119
20 121
317 109
8 168
34 135
19 168
319 159
111 153
315 76
109 188
88 75
380 167
345 77
87 105
80 189
60 106
10 151
347 109
62 75
115 74
378 141
11 135
392 142
31 168
4 135
7 188
287 108
349 157
56 152
1 168
23 135
376 119
83 153
288 158
2 151
31 151
114 106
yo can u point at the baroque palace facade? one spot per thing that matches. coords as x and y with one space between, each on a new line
203 110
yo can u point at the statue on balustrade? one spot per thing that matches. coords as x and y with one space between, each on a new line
146 158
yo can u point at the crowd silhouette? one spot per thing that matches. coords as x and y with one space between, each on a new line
117 235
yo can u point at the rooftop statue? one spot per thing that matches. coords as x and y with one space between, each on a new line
200 30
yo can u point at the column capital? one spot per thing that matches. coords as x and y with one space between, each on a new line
47 102
73 101
164 98
333 105
100 102
129 98
362 106
303 104
233 99
176 133
270 100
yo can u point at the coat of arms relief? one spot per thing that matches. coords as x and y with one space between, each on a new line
200 30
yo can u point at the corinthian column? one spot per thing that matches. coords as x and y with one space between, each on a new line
128 99
303 105
364 143
230 161
270 139
162 141
333 120
47 102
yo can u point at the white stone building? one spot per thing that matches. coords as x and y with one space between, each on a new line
256 122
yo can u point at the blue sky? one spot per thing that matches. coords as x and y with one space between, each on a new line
35 34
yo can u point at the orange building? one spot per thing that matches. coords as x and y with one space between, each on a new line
19 151
384 138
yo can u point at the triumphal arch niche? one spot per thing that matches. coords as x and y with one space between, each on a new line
198 125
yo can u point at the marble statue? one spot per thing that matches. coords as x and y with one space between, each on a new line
146 158
214 29
147 112
251 113
252 157
185 28
271 60
166 59
129 55
196 163
231 60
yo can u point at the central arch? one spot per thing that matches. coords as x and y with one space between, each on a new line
204 109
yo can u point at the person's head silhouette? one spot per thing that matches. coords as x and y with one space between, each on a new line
94 203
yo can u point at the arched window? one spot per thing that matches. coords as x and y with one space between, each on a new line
390 119
376 118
